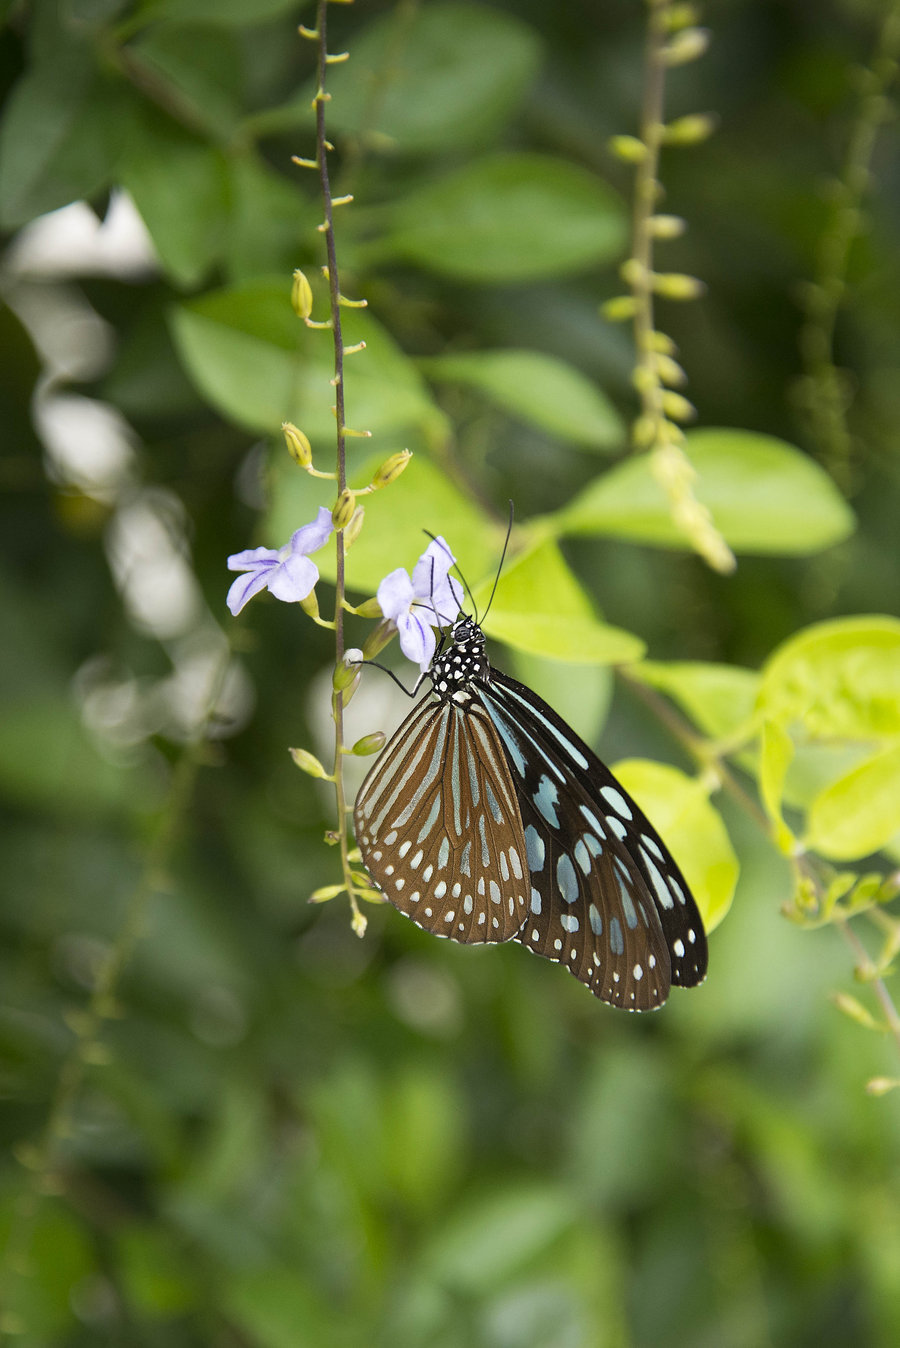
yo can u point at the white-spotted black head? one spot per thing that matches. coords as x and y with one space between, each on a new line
463 662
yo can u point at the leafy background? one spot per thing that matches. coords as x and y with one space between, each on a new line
286 1136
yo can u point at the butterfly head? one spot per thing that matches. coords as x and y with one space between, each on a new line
462 663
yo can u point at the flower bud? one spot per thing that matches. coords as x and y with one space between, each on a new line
325 893
308 763
661 341
619 308
369 744
343 510
854 1009
369 608
690 130
680 16
378 638
391 469
678 407
354 528
669 371
881 1085
667 226
347 672
685 46
629 148
301 295
677 286
298 445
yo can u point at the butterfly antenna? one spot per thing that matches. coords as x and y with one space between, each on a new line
502 560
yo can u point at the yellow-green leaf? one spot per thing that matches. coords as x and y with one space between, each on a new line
720 699
860 813
776 753
837 679
540 607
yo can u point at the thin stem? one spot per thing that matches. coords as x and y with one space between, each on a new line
334 292
878 984
827 395
656 430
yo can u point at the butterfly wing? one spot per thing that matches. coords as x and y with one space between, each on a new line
607 897
438 825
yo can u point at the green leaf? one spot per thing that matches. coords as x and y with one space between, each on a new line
776 755
539 389
227 13
837 679
280 1308
420 79
692 829
495 1236
540 607
258 364
179 185
61 134
507 217
393 533
194 69
720 699
269 218
860 813
765 497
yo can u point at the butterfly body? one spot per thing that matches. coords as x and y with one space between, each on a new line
487 819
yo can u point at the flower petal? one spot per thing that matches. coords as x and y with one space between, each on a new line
294 579
252 558
310 537
433 586
244 588
395 594
417 641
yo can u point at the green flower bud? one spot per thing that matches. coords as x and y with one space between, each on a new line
347 672
308 763
343 510
677 407
369 744
391 469
629 148
667 226
297 443
669 371
354 528
301 295
685 46
690 130
677 286
378 638
369 608
619 309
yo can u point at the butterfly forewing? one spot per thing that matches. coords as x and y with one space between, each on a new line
439 829
612 903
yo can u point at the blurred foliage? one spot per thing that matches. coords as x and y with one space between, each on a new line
229 1122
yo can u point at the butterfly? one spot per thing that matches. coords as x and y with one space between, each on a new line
487 819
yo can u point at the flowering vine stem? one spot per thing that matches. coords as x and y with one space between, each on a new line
346 500
671 40
812 906
826 395
86 1050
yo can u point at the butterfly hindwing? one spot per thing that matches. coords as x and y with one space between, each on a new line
614 906
439 828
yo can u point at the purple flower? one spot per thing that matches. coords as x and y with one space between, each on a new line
287 573
431 599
